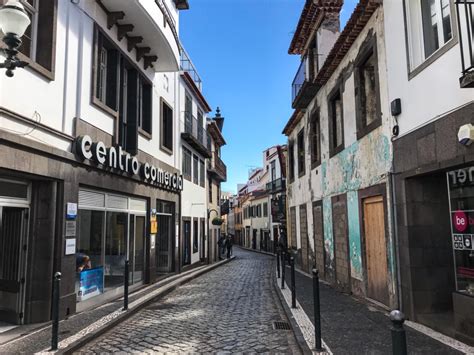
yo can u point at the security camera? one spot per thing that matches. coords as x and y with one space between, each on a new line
466 134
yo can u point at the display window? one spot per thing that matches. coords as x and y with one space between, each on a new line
111 231
461 198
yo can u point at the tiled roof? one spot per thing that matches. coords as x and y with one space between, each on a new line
310 18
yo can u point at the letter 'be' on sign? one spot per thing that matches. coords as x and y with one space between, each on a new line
153 225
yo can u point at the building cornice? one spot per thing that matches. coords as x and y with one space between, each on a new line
196 92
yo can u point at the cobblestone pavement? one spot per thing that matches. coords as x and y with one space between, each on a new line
230 309
350 326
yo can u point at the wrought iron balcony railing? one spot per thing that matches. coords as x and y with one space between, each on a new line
188 66
299 80
276 185
465 17
220 167
196 135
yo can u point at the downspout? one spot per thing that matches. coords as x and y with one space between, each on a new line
393 206
79 75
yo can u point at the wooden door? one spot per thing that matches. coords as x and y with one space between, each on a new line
319 238
376 249
304 239
341 243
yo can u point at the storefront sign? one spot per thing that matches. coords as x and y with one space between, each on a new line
153 225
152 241
70 246
117 159
71 210
91 283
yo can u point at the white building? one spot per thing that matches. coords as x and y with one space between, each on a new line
92 135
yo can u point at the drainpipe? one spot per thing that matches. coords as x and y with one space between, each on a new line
79 74
393 206
66 60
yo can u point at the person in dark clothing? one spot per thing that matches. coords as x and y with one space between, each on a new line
228 245
221 245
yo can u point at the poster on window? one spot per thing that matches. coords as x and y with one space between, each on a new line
91 283
461 203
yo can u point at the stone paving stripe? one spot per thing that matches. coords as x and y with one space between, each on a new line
307 328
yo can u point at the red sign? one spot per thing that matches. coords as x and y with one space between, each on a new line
460 221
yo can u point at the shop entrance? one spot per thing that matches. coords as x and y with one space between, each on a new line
13 248
186 241
14 210
164 237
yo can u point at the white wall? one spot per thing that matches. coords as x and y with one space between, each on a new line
432 92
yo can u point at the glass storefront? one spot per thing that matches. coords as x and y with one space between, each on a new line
461 196
111 231
164 238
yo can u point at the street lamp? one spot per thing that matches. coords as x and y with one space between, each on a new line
209 210
13 22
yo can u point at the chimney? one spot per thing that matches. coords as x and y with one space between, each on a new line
329 29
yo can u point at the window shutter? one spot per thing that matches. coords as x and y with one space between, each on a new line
133 99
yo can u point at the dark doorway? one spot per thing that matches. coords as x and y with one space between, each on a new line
186 241
341 247
13 249
254 239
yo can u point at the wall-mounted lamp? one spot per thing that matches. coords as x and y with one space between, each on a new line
13 22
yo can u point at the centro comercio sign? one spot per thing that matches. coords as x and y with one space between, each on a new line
116 158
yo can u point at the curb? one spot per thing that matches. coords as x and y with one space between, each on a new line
255 250
76 345
294 325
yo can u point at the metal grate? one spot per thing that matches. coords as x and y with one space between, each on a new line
281 326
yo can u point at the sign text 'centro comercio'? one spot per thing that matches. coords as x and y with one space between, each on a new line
116 158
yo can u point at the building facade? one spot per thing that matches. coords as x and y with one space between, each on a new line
430 84
339 152
91 174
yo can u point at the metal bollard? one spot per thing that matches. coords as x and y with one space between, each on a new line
293 285
399 340
55 311
317 311
283 267
125 286
278 264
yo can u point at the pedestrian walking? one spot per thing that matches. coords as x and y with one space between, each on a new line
221 246
228 245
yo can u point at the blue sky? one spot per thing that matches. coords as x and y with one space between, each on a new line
240 49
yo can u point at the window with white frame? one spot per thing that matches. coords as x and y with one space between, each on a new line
429 27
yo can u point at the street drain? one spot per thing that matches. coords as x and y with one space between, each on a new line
281 326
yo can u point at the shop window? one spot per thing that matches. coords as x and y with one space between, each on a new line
315 144
195 236
291 160
202 174
429 28
195 169
461 186
301 154
115 249
39 38
166 127
336 123
367 92
187 163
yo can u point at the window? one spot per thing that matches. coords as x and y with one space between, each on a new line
336 124
210 189
367 92
38 40
202 173
291 160
188 114
315 144
265 209
166 127
200 130
301 157
187 164
195 236
195 169
429 28
123 91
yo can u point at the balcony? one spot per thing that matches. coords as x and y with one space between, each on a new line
196 135
149 26
217 168
187 65
303 88
277 185
464 10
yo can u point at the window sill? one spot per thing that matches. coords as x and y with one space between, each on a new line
144 134
38 68
166 150
301 174
431 59
187 177
362 132
315 164
336 150
103 107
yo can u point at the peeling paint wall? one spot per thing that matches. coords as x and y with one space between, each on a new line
363 163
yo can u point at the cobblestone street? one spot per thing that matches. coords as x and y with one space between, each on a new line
230 309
